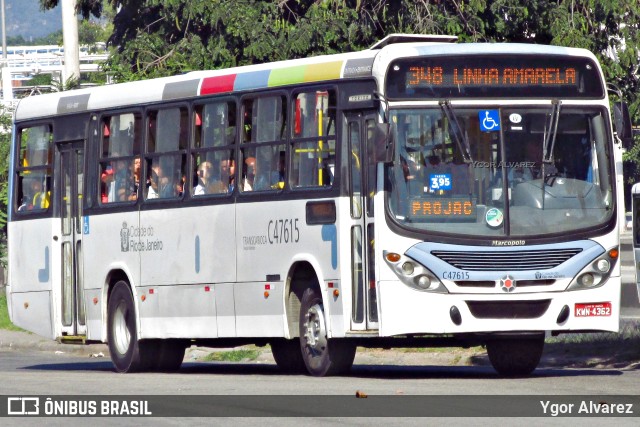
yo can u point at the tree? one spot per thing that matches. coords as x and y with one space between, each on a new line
153 38
5 144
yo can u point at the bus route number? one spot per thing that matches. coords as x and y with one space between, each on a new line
283 231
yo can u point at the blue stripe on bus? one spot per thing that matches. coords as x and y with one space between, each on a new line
43 273
330 234
252 80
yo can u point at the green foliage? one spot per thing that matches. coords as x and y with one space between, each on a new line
5 322
5 143
243 354
39 80
153 38
89 33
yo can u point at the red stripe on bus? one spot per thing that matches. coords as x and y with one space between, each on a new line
218 84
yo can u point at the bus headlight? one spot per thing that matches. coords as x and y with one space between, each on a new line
596 273
413 274
407 268
603 265
587 280
423 282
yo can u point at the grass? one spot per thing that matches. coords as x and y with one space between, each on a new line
241 355
5 323
603 348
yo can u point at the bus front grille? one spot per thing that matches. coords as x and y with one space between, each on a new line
494 284
507 260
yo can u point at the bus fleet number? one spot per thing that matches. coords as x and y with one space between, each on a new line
283 231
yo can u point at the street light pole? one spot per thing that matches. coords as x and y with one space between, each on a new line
4 33
7 84
70 41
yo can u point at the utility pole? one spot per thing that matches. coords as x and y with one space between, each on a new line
70 41
7 84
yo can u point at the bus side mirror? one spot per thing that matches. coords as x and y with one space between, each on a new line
383 144
622 121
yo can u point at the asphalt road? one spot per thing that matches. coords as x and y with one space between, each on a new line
53 370
41 374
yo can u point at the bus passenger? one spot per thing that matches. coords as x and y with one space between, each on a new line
228 172
123 184
34 195
152 183
249 174
136 178
206 182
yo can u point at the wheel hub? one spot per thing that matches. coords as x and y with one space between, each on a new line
120 330
315 331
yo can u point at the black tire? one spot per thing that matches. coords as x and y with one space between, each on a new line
515 357
288 355
167 355
321 356
127 353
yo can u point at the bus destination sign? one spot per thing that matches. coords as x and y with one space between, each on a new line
453 209
494 77
507 76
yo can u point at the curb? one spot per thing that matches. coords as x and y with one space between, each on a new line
20 340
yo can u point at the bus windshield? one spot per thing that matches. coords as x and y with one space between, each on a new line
513 171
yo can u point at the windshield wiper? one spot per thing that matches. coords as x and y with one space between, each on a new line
460 137
550 132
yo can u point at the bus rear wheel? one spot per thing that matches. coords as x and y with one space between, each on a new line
322 356
288 355
167 355
515 357
128 354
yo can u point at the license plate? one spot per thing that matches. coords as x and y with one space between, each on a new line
593 309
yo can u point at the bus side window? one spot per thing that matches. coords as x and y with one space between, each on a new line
212 158
167 142
34 169
120 158
263 148
313 139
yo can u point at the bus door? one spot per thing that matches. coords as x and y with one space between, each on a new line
362 180
635 218
69 198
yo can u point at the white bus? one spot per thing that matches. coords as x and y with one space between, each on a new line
634 227
384 198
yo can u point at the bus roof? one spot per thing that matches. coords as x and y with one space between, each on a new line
361 64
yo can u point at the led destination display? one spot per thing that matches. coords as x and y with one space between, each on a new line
514 76
455 209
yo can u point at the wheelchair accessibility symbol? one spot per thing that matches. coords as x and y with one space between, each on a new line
489 120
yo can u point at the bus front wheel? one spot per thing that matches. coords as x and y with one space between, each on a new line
515 357
127 353
322 356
